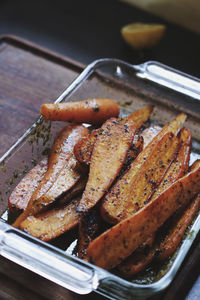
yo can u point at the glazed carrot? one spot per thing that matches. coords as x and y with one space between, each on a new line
177 230
108 156
52 223
117 243
91 111
22 193
60 154
122 193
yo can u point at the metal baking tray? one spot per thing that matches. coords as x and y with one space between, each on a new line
132 87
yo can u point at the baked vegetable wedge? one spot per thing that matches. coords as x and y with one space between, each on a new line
114 245
83 149
177 229
140 258
61 152
110 150
52 223
124 194
22 193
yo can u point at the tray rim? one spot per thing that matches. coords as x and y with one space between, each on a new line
42 51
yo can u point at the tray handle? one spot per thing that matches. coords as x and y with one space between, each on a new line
170 78
47 261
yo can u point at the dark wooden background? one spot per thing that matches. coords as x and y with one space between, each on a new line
83 31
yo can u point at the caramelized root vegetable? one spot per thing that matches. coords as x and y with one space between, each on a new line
149 133
140 116
61 152
91 111
89 227
181 164
137 261
83 149
52 223
177 230
74 191
137 193
140 258
22 193
108 156
66 179
114 245
121 194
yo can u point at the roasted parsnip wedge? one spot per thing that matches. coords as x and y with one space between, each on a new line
137 193
177 230
137 261
66 179
140 258
90 226
110 150
114 245
141 116
52 223
180 165
149 133
22 193
122 193
60 154
73 192
83 149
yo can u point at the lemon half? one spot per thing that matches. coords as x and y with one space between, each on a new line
141 35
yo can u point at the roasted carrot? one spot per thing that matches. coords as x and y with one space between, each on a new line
114 245
177 230
91 111
122 193
52 223
61 152
108 156
22 193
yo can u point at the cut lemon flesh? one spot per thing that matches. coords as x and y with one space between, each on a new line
141 35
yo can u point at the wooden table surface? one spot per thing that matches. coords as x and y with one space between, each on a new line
21 94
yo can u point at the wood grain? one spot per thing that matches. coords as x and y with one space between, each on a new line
28 78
